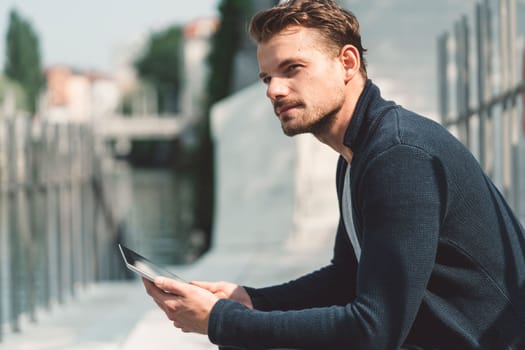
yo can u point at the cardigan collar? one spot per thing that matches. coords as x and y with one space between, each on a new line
369 105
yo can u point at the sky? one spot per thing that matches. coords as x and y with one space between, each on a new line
87 34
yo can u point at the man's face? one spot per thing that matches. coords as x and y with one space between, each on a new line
304 79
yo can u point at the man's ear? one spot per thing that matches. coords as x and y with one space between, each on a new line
349 57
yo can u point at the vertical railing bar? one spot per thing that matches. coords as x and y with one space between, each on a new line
14 301
443 77
58 241
459 78
44 165
3 225
514 121
26 217
489 77
466 78
70 208
480 38
505 84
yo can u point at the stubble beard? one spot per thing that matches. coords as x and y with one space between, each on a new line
316 126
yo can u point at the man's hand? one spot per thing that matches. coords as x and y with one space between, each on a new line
227 290
188 306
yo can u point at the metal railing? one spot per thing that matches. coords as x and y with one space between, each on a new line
480 93
56 235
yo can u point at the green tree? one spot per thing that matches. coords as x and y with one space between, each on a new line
22 63
224 47
162 65
225 44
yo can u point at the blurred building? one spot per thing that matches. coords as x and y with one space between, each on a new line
197 45
142 97
78 96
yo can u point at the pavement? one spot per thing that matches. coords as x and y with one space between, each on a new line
120 315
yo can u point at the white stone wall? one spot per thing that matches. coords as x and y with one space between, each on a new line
270 188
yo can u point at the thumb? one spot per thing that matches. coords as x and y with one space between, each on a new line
210 286
216 288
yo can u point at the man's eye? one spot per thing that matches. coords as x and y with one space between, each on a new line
266 80
292 68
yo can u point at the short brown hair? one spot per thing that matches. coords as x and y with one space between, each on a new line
339 26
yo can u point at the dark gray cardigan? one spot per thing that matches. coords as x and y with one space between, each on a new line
442 263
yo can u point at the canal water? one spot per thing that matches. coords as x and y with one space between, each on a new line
155 207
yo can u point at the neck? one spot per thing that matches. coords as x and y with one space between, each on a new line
333 136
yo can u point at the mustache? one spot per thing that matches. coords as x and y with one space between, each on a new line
278 104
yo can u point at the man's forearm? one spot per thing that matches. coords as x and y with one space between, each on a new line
324 287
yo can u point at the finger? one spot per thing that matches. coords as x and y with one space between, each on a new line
155 292
171 286
150 287
161 306
146 282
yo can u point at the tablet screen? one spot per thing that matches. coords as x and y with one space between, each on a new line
144 267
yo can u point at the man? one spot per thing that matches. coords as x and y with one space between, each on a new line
427 253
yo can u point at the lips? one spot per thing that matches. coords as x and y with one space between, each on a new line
281 108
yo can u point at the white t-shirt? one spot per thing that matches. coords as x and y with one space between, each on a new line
347 215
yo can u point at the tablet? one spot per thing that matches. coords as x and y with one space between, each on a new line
144 267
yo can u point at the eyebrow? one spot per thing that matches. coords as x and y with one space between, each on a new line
284 63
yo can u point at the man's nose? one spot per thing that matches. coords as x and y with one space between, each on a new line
276 89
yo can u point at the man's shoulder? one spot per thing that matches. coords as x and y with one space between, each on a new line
401 128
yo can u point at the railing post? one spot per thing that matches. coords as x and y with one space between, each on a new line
4 228
56 239
510 125
443 93
14 278
484 81
44 166
514 118
498 140
25 217
463 78
505 83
